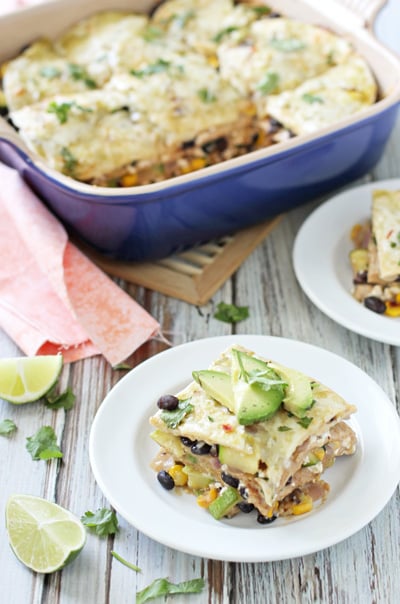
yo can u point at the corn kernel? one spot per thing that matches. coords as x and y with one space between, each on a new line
392 309
129 180
206 498
3 68
213 61
179 476
303 507
319 453
397 299
355 232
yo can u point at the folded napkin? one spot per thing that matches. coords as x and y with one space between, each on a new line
52 297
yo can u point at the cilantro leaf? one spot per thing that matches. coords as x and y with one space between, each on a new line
269 83
224 32
103 522
77 72
50 72
7 426
70 162
63 400
125 562
288 44
163 587
206 95
230 313
174 418
311 98
158 67
304 422
61 110
43 444
283 428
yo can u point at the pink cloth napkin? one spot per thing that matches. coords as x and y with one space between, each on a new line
52 297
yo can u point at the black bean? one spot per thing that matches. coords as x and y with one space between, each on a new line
200 448
188 144
264 519
168 402
244 493
219 144
273 15
165 480
187 441
360 277
375 304
245 507
231 480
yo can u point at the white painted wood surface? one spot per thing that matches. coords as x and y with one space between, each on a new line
364 569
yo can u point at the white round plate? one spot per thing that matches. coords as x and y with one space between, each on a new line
121 452
322 266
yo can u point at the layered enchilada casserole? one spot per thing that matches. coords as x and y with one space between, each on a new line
375 259
249 435
124 99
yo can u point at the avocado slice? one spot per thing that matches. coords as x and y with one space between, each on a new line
237 459
220 507
258 389
299 396
216 384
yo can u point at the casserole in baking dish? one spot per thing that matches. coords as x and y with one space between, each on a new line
156 219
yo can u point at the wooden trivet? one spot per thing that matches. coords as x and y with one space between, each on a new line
194 275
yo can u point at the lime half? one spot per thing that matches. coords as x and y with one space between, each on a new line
43 535
27 379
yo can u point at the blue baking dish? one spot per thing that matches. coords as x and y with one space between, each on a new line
153 221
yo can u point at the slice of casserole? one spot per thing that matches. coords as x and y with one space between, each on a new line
375 259
250 434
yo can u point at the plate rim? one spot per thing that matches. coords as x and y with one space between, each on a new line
222 531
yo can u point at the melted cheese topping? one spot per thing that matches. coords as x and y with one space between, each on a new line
386 230
189 69
319 102
274 55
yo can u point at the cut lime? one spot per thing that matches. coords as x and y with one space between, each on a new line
27 379
43 535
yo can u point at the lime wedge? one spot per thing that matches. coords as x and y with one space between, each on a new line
27 379
43 535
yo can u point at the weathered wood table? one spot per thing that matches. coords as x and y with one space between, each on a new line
363 569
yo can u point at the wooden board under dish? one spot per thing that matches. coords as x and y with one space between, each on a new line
194 275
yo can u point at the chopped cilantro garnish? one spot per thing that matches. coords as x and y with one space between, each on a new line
50 72
77 72
163 587
7 426
152 33
269 83
287 45
206 95
61 110
64 400
43 444
103 522
125 562
312 98
224 32
230 313
173 418
283 428
158 67
182 18
261 10
70 162
304 422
